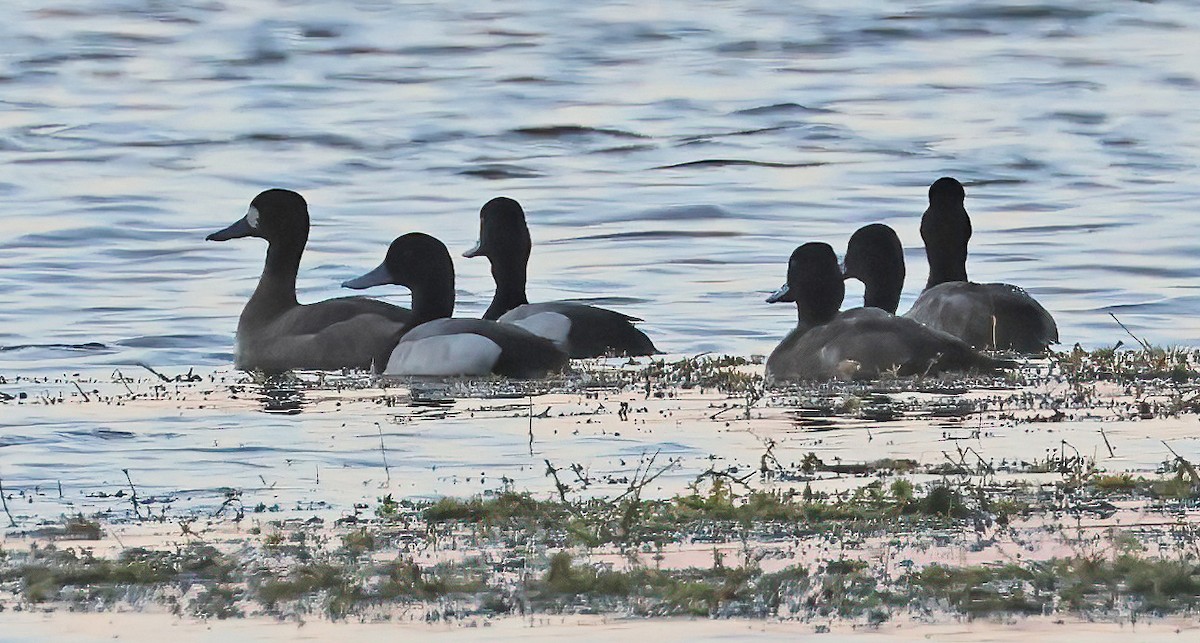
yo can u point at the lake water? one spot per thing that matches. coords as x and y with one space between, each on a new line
669 156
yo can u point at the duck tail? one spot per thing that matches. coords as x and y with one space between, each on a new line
641 344
993 363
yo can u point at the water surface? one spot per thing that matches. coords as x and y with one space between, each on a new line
669 155
669 158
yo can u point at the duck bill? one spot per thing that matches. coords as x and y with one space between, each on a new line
236 231
377 277
783 294
476 251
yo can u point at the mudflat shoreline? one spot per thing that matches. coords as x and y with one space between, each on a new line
628 495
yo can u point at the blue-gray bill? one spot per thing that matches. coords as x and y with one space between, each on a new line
240 228
780 295
377 277
474 252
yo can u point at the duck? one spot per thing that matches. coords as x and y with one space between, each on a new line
435 344
275 332
988 315
857 343
590 331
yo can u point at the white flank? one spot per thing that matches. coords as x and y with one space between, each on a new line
552 326
444 356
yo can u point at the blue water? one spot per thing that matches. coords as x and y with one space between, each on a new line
669 155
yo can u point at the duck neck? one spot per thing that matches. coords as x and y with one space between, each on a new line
883 293
430 302
946 231
276 289
946 264
819 303
809 317
509 274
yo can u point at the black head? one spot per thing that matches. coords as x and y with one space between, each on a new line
875 257
946 230
814 282
947 190
274 215
414 260
502 231
873 250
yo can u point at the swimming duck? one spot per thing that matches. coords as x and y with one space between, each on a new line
861 342
437 345
582 330
275 332
990 315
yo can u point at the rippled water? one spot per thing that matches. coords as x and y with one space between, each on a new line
669 155
669 158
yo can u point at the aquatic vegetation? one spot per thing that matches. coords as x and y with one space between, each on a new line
1175 364
846 588
786 528
1153 585
47 573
